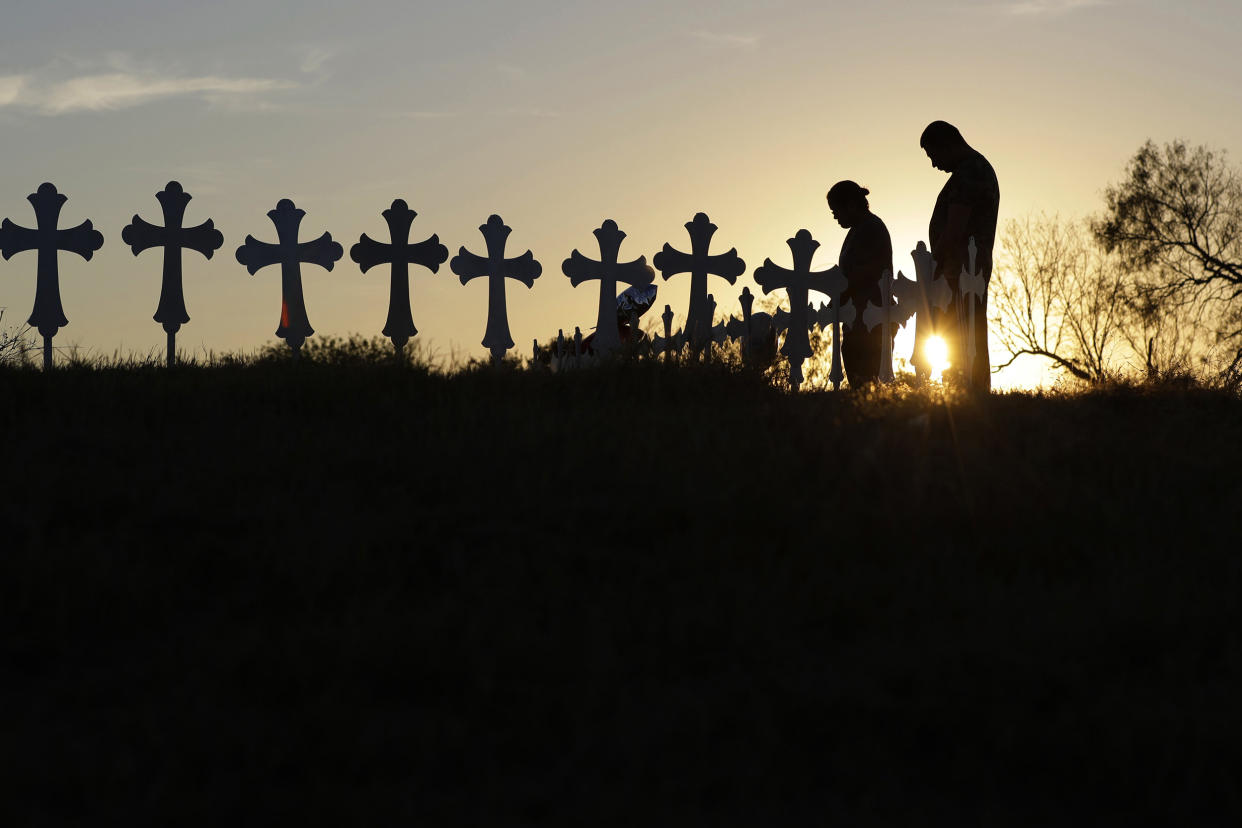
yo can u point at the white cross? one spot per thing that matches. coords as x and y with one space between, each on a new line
925 293
887 316
835 315
972 285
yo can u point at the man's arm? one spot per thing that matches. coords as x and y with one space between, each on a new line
948 252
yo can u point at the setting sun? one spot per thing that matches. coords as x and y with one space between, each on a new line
937 352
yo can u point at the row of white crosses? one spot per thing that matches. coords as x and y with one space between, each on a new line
48 314
911 297
921 294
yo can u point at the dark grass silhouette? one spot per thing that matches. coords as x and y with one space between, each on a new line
355 592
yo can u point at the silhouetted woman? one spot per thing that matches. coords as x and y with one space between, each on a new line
866 254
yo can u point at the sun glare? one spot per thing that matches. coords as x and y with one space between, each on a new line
936 350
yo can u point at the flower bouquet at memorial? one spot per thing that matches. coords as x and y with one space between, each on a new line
630 307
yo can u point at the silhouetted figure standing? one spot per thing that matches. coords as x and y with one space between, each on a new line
967 207
865 256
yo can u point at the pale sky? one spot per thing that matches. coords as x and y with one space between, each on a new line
558 116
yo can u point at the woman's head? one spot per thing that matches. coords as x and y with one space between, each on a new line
848 202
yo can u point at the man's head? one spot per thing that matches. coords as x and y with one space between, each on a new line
848 203
944 145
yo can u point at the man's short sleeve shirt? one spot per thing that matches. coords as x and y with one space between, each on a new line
974 185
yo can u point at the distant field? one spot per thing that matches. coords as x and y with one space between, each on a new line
367 594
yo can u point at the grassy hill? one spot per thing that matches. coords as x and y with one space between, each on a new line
350 592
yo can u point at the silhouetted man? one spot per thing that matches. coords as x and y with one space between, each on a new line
865 255
967 207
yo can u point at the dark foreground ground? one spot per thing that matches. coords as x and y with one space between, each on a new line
364 595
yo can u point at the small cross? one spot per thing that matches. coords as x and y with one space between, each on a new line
48 315
743 329
294 326
798 283
747 301
834 315
608 271
496 268
699 265
664 344
889 316
972 286
205 239
400 254
712 335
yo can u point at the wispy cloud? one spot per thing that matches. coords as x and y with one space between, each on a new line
428 115
1031 8
120 91
421 115
730 41
314 58
530 112
123 90
11 88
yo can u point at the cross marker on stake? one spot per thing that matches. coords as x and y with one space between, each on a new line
699 265
798 283
973 286
608 271
255 255
399 327
496 268
48 315
205 239
925 293
747 301
835 315
664 344
889 316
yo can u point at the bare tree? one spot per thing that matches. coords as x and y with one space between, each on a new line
1168 337
1176 223
1057 296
